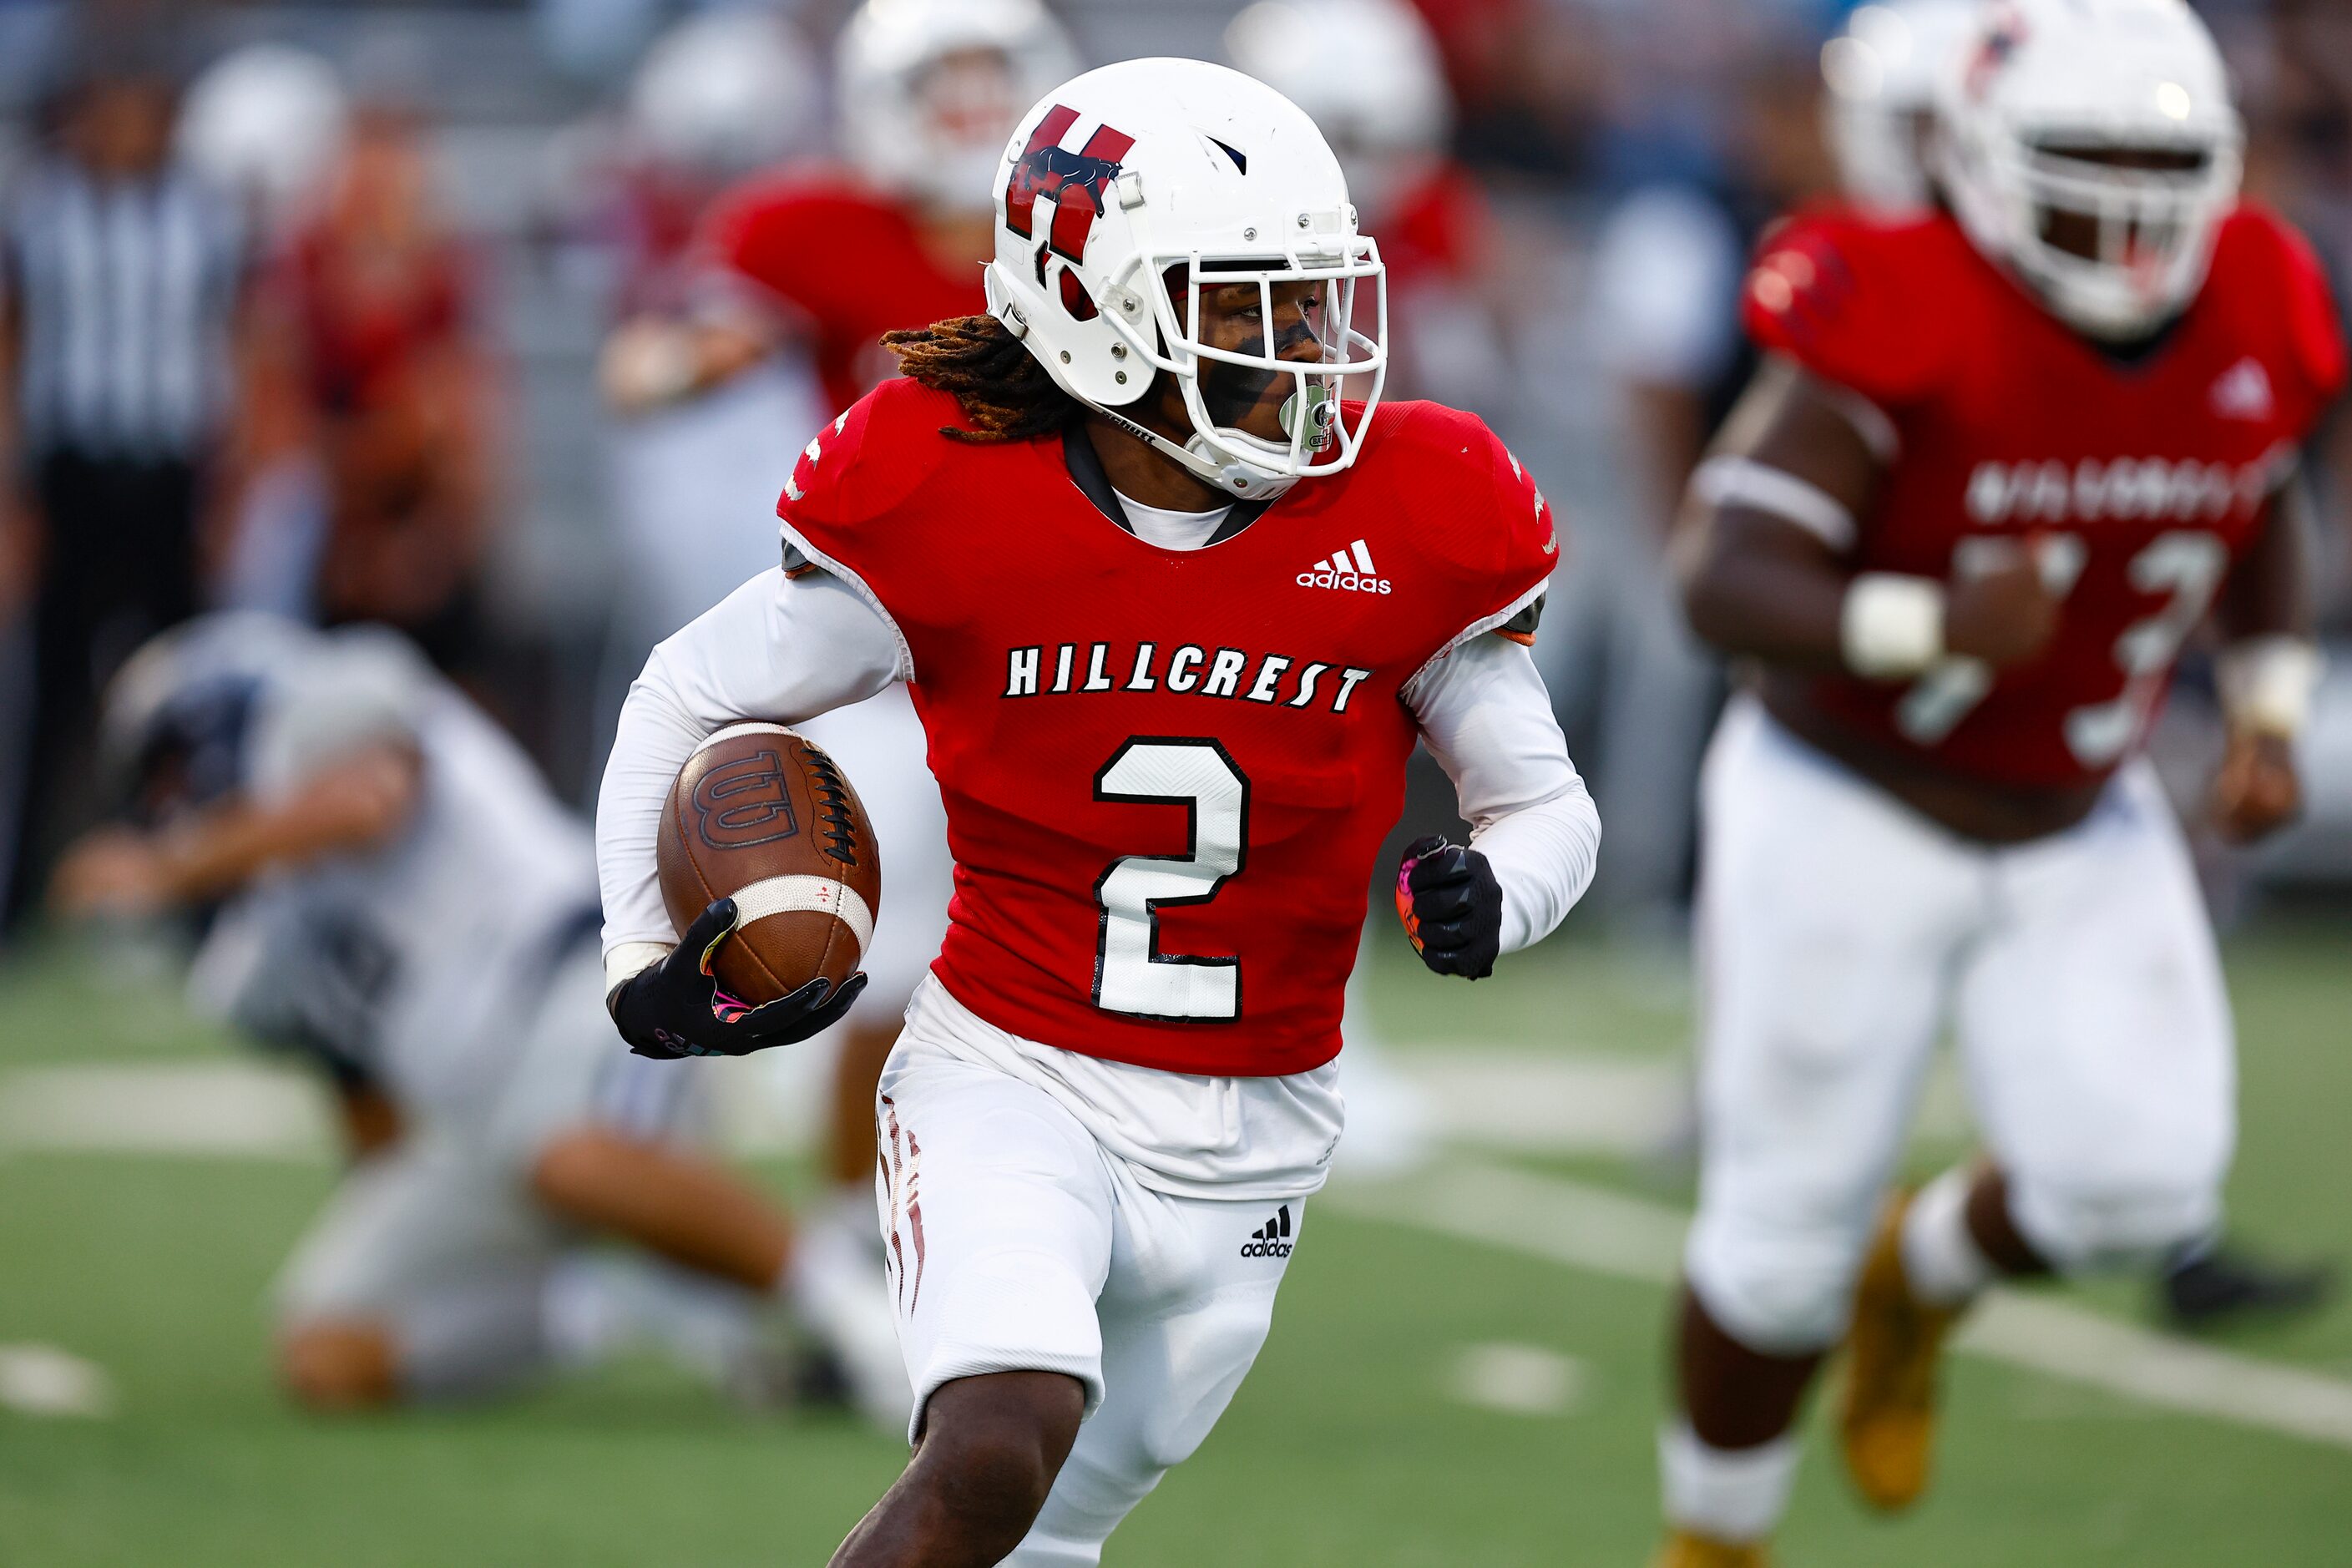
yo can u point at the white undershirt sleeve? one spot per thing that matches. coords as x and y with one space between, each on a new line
778 648
1486 717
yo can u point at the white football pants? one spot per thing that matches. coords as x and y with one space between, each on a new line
1840 931
1018 1243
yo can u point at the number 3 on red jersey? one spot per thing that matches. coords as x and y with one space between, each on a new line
1131 974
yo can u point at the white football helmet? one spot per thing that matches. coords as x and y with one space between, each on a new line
726 92
930 87
1129 172
1881 72
266 122
1365 71
2032 109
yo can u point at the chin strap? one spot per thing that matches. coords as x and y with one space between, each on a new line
1230 477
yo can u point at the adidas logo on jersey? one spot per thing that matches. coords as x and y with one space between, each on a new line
1349 570
2244 392
1270 1239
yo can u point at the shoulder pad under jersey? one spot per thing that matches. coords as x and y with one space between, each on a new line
2266 264
1867 304
867 461
1476 510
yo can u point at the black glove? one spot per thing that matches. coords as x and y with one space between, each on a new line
1452 907
674 1008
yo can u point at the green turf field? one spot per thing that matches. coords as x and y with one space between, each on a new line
1354 1443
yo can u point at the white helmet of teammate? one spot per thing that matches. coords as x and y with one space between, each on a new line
266 121
1881 72
1132 172
726 92
2091 146
1365 71
930 87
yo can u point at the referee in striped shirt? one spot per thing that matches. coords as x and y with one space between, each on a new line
121 310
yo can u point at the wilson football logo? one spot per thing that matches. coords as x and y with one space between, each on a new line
744 803
1348 571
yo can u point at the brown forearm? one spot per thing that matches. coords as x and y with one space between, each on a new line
355 806
1751 592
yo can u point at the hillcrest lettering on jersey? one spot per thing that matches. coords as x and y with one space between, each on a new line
2126 489
1236 674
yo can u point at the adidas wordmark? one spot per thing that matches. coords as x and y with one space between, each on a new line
1349 570
1270 1239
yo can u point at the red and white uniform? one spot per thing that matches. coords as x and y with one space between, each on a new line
846 263
1843 932
2144 482
1168 761
1096 704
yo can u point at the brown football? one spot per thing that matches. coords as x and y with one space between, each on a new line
760 815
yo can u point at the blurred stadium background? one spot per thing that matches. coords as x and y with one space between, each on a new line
1467 1359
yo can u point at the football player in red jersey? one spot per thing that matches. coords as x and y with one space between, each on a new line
2001 464
836 258
1173 615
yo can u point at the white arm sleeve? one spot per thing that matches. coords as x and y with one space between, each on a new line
777 648
1486 717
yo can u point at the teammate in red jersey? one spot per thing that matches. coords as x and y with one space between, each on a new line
1368 73
2002 464
1174 614
834 257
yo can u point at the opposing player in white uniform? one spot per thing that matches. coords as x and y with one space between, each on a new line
399 897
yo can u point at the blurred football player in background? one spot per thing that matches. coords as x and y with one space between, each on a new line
2002 462
1881 75
812 266
392 892
1369 74
724 95
398 385
268 125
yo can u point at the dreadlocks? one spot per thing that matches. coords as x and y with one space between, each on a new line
1006 394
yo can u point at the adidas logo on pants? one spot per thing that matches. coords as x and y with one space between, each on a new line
1270 1239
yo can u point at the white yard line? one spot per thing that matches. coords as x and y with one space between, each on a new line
42 1380
227 1108
1591 1229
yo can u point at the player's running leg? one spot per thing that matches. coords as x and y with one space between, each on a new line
1189 1301
2097 1035
998 1214
1827 917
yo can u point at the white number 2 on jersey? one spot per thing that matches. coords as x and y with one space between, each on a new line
1131 974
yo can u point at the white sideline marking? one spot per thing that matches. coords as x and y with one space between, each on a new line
42 1380
1532 1100
220 1108
1518 1379
1588 1228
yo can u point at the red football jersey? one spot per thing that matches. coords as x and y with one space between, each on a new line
850 263
1166 773
2143 479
